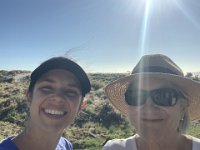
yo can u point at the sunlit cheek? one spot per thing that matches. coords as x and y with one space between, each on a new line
76 104
175 122
134 115
174 116
37 94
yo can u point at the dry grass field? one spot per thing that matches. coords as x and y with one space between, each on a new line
97 123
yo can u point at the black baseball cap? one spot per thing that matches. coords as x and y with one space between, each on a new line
61 63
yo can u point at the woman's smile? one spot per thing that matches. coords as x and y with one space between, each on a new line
152 120
54 113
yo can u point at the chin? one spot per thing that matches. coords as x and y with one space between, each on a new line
152 135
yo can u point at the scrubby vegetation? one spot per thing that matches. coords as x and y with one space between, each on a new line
97 123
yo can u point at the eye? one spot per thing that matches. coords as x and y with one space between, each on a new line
46 90
71 93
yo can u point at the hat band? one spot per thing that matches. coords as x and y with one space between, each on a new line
154 69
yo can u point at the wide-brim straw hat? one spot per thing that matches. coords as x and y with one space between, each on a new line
156 67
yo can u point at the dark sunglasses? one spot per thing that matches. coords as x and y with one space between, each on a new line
161 97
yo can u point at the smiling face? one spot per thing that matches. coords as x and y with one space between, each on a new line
152 121
55 100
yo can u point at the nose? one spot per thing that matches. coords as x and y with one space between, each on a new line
58 96
149 102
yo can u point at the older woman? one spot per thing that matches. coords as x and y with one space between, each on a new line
55 96
159 102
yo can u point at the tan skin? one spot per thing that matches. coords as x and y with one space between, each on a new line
54 103
156 125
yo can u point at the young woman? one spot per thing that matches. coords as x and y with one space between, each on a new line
55 95
159 102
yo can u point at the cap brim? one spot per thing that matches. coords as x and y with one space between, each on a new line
65 64
115 90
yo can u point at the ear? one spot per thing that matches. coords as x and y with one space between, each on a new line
82 106
29 98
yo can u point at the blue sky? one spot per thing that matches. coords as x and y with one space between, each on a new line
101 35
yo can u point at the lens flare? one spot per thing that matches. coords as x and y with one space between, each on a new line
145 26
187 14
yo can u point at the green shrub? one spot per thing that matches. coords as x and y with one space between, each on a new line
97 85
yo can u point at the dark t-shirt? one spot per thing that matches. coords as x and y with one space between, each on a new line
7 144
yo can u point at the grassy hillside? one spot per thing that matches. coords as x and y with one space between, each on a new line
97 123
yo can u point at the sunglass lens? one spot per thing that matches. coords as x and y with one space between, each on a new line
164 97
135 98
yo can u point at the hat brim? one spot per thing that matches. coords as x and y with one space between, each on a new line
115 91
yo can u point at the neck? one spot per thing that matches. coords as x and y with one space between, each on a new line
34 139
172 143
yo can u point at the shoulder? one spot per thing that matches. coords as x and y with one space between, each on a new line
64 144
195 143
7 144
120 144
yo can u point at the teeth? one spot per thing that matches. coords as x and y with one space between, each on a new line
54 112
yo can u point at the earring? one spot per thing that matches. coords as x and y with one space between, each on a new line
183 117
180 125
